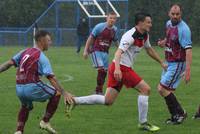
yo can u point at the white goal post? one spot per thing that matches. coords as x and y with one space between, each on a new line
84 3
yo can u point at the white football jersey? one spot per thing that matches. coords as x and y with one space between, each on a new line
130 47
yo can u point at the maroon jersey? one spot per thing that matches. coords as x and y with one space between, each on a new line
103 37
27 71
178 39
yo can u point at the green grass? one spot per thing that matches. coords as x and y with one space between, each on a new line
121 118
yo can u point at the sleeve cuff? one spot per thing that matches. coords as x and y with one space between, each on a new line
14 62
50 76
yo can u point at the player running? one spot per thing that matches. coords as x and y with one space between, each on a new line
120 72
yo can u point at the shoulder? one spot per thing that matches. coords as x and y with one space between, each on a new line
101 25
43 57
183 26
128 36
129 33
114 28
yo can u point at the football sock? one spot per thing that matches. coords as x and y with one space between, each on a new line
143 108
199 110
100 80
22 118
91 99
173 105
51 108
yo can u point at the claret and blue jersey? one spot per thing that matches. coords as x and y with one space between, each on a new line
103 36
31 64
178 39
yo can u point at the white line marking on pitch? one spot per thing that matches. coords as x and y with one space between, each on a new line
67 78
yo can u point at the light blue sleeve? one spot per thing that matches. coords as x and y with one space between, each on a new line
184 35
44 66
116 37
98 29
17 58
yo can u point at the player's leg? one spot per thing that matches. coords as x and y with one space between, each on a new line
168 84
45 92
26 107
110 95
144 92
132 80
197 114
98 59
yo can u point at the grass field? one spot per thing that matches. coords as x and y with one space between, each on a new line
121 118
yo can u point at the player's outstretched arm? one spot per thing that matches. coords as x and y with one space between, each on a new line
89 42
5 66
154 55
68 98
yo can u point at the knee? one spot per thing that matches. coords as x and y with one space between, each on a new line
161 90
146 90
108 103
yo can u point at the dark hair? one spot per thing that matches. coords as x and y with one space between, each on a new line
177 4
141 17
41 33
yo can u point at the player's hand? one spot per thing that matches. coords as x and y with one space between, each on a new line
164 66
161 43
118 74
85 54
68 98
187 75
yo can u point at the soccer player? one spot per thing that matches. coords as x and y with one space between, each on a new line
178 55
120 72
31 63
98 45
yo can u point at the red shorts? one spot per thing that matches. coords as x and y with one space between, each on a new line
129 77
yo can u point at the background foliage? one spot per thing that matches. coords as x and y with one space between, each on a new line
22 13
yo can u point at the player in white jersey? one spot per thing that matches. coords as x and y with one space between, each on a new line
120 72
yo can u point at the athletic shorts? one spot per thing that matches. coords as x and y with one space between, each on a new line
38 92
170 78
100 59
129 77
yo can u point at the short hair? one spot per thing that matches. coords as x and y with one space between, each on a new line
111 13
140 17
177 4
41 33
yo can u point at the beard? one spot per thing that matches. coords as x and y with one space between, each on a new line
175 22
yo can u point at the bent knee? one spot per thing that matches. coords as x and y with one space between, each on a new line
163 92
108 103
146 90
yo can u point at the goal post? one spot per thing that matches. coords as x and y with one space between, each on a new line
85 4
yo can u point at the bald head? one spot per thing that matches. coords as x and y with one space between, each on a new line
176 7
175 14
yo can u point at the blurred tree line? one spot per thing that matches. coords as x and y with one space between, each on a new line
22 13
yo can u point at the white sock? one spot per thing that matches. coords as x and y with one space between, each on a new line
91 99
143 108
